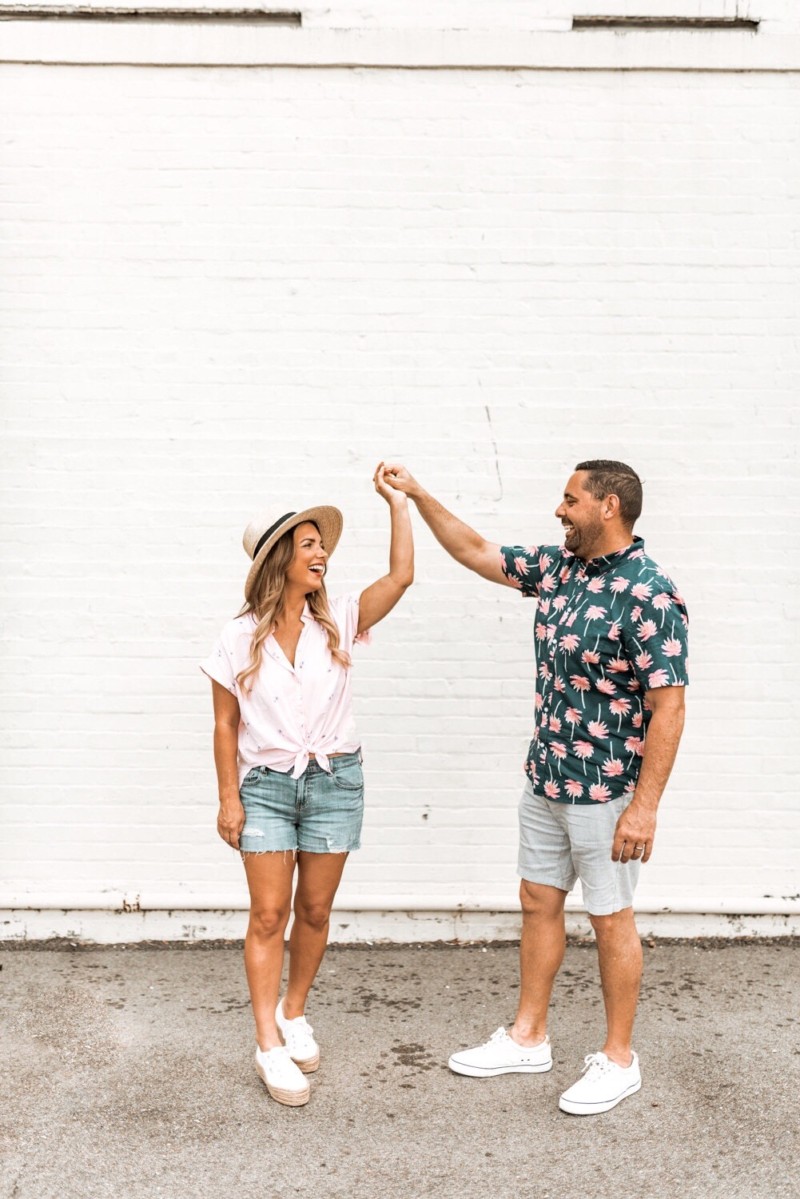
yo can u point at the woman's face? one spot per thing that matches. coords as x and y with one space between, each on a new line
307 567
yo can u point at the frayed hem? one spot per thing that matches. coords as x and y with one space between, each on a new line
262 853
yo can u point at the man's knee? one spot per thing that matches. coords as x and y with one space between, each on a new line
540 901
615 924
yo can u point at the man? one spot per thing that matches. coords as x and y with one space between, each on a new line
611 636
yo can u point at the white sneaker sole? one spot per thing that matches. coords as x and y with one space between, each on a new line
594 1109
281 1095
491 1071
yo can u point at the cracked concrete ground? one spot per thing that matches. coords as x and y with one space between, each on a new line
128 1072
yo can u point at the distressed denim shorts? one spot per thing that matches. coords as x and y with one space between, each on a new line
317 812
561 842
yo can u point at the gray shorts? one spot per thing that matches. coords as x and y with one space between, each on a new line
561 842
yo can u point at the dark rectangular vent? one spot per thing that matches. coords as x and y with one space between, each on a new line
167 16
663 23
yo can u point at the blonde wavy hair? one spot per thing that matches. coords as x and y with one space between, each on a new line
265 599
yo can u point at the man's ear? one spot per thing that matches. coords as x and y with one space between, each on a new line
610 506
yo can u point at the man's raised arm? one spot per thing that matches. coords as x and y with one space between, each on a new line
460 541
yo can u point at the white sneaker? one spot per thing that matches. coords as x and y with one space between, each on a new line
281 1076
502 1055
602 1086
299 1037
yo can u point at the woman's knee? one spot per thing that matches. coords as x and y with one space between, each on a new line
315 913
267 922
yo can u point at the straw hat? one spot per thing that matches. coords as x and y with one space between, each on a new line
261 534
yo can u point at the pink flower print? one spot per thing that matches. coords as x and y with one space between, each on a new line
636 554
551 789
544 561
569 642
544 607
559 602
618 666
659 678
637 720
580 683
559 683
555 724
596 585
599 792
521 566
612 768
571 619
589 657
573 788
598 728
564 574
513 580
619 584
551 632
643 660
532 550
672 647
541 630
558 749
636 613
641 591
647 629
606 686
634 746
620 707
545 672
630 787
548 583
573 716
594 612
581 576
661 602
678 598
584 750
633 685
538 701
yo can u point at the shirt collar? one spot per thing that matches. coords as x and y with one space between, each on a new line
598 566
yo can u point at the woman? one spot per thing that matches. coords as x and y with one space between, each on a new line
288 760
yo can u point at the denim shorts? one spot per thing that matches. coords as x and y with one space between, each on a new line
317 812
561 842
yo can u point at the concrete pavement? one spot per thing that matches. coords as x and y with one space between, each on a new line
128 1072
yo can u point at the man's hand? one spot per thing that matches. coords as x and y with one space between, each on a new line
399 478
635 834
392 495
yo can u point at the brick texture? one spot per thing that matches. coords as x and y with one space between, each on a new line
224 290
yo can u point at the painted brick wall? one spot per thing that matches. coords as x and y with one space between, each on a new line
231 289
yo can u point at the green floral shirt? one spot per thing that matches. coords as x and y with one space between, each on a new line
607 631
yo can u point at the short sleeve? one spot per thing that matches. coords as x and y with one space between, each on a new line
219 666
345 610
526 567
655 632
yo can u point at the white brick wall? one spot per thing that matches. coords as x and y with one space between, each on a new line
223 289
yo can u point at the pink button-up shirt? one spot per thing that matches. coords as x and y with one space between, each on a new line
290 711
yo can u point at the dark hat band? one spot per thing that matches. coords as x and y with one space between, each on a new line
263 540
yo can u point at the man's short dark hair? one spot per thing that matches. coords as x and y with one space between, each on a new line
606 477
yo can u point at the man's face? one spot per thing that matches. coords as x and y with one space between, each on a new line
581 515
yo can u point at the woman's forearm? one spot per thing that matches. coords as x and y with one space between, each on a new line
226 761
401 547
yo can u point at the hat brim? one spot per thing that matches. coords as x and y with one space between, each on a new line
328 520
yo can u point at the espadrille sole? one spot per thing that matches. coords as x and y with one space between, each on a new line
309 1065
280 1095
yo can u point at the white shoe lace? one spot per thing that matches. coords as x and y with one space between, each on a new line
499 1034
299 1037
281 1069
596 1065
